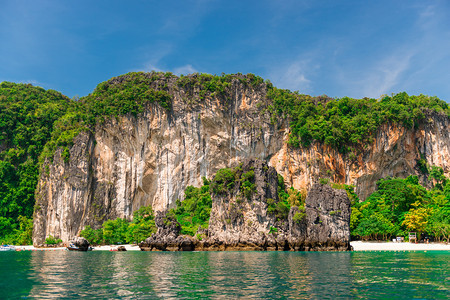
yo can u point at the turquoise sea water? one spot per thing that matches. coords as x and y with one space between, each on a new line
225 275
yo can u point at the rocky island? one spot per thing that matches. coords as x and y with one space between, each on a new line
241 218
157 140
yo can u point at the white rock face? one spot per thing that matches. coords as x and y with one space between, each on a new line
395 152
150 159
239 220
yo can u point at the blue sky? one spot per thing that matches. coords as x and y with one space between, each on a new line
338 48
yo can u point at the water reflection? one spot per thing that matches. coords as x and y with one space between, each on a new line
163 275
249 273
224 275
69 274
408 274
329 274
15 281
297 275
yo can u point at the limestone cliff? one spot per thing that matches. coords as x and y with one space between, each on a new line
327 219
132 161
241 221
241 218
149 159
395 152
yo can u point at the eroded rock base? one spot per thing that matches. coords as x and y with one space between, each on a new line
244 222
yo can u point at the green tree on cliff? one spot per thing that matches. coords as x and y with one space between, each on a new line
122 231
402 205
195 209
27 115
35 122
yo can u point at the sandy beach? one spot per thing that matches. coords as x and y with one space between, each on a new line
357 246
96 248
110 248
391 246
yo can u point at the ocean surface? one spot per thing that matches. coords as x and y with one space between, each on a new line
224 275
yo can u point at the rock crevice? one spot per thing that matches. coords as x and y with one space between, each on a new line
243 221
150 159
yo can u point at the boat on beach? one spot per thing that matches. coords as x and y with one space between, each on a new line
7 248
73 247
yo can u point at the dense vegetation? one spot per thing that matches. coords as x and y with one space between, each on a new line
126 94
344 124
27 115
347 124
287 198
403 205
122 231
194 212
205 85
35 122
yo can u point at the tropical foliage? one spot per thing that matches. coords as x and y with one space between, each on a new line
50 240
347 124
287 198
403 205
194 211
122 231
27 115
35 122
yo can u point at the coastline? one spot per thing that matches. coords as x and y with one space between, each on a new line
96 248
357 246
405 246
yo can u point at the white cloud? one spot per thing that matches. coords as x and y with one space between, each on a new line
187 69
150 67
26 81
31 81
178 25
412 66
385 75
428 17
293 75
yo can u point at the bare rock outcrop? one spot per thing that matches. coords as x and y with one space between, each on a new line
243 217
168 237
149 159
81 243
327 218
297 229
239 218
64 202
240 222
